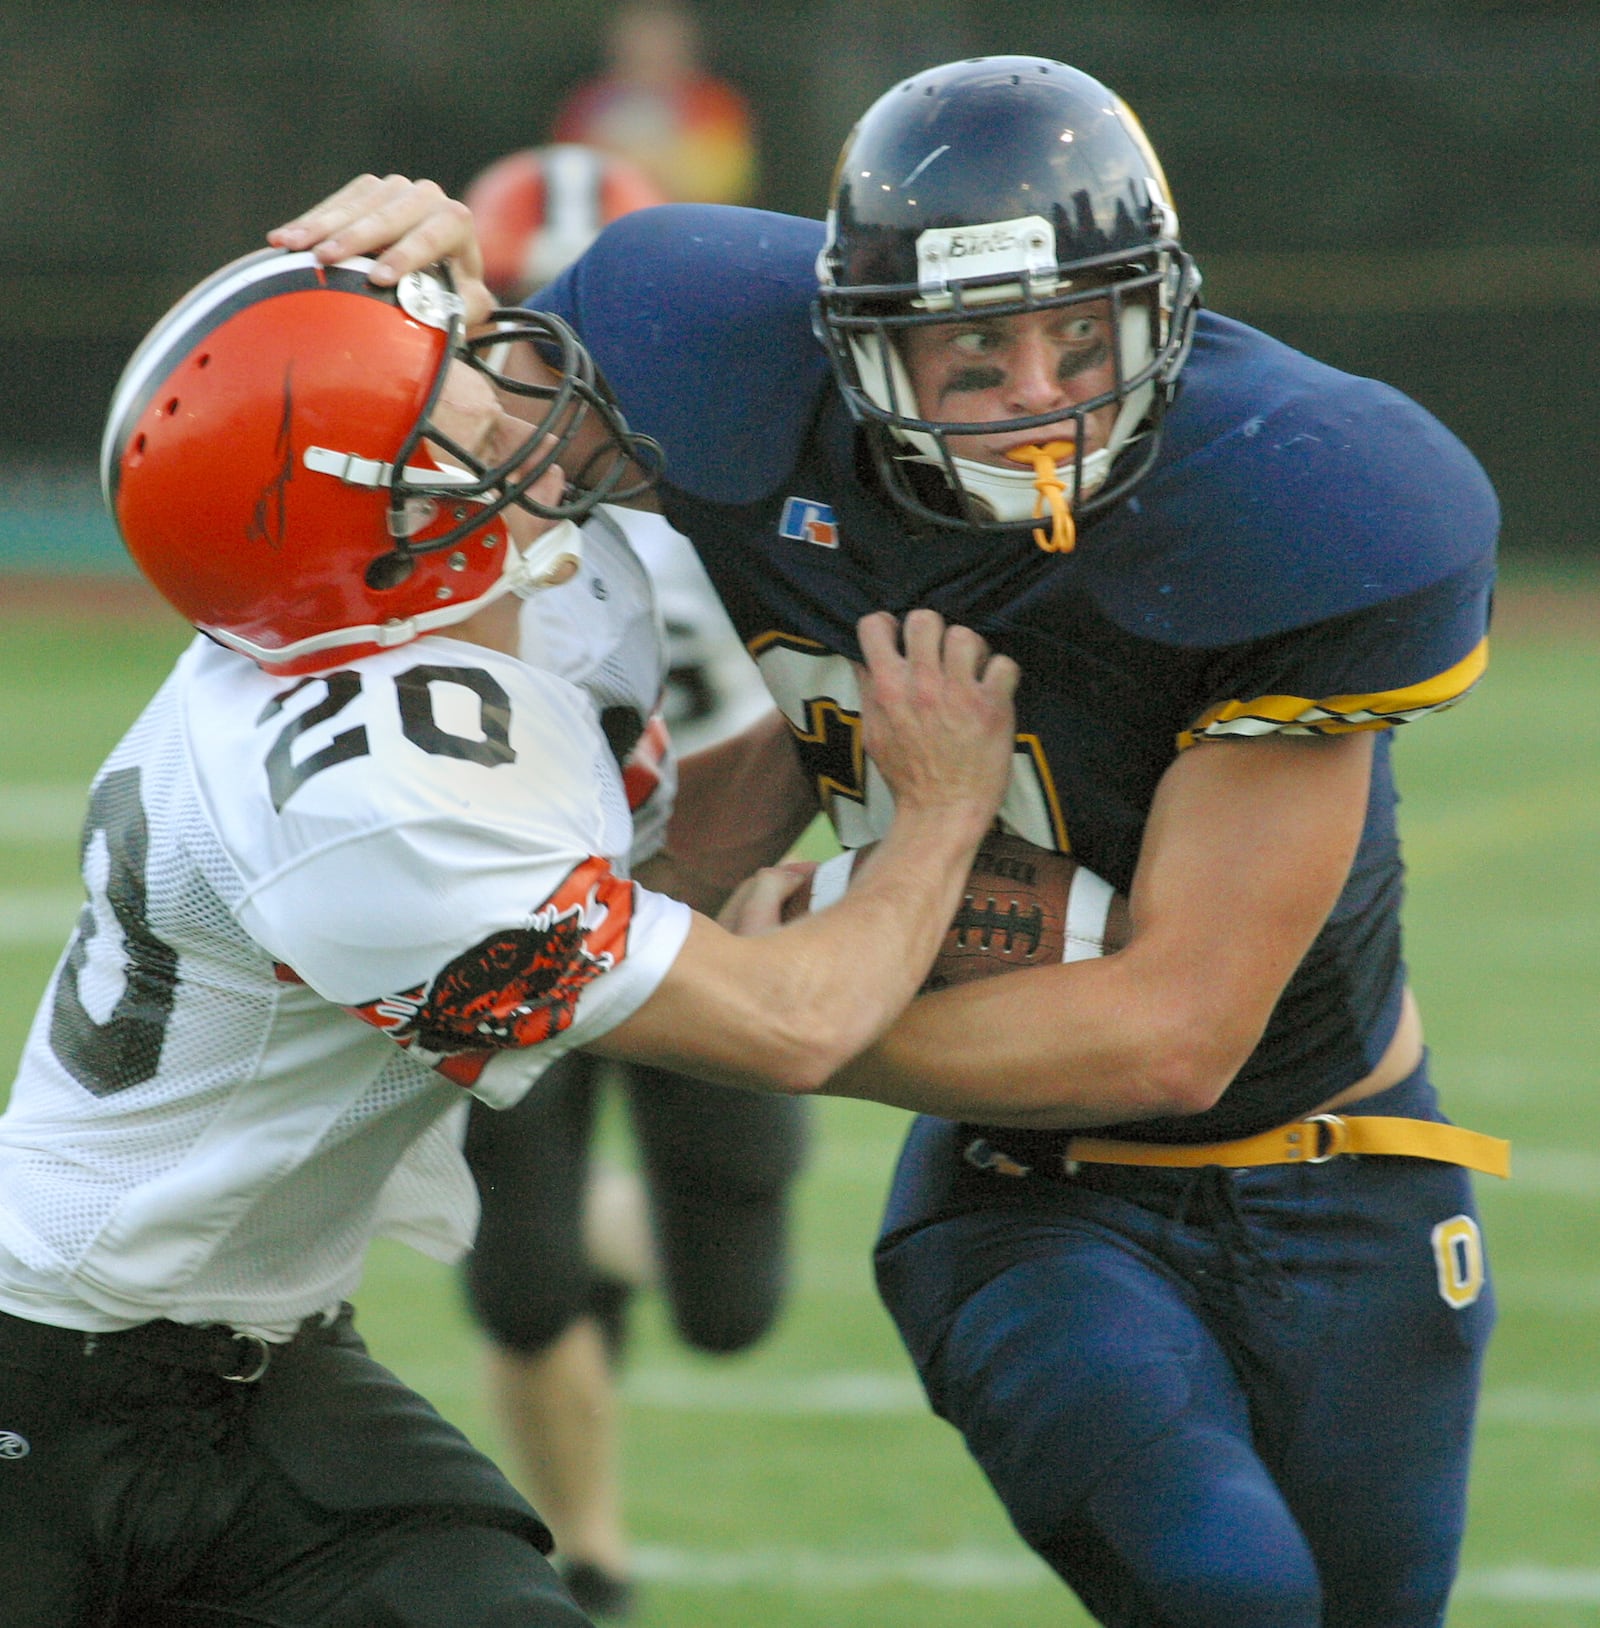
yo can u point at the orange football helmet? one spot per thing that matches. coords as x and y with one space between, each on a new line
267 461
538 209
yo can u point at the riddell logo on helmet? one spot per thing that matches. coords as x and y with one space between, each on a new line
994 240
1025 247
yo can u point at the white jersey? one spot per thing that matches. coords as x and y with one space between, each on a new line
642 589
713 688
319 909
603 632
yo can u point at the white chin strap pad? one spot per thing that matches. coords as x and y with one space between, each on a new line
522 574
1013 494
529 571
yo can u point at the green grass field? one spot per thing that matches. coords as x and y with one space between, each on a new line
805 1485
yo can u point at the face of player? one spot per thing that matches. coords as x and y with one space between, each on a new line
470 413
990 369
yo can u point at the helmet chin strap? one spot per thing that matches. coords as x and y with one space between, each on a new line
525 574
530 569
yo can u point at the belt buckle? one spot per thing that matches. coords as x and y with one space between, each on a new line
254 1359
982 1155
1337 1137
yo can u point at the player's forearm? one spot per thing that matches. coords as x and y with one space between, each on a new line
1244 854
1094 1043
784 1011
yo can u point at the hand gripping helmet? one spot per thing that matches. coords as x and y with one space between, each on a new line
269 459
538 209
994 187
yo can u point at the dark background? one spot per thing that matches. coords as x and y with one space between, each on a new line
1405 189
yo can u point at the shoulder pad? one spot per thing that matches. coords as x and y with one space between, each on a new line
1286 493
699 316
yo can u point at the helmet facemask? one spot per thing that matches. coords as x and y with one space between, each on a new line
476 493
863 335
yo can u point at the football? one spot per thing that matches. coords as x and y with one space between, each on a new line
1023 906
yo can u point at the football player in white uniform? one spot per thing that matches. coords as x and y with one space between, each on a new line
356 859
565 1235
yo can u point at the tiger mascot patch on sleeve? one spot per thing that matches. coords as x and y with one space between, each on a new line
514 988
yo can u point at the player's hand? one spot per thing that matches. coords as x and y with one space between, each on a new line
936 713
406 225
758 904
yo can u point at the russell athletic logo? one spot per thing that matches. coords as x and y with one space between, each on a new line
12 1445
804 520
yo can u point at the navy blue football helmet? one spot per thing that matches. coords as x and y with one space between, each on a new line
993 187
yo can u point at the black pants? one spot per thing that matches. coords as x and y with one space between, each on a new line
718 1164
139 1489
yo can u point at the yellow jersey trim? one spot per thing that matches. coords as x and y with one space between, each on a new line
1338 714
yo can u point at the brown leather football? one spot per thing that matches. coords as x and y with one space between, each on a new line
1023 906
1026 906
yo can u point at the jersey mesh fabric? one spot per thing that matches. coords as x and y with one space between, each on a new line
133 1130
602 632
194 1133
70 1190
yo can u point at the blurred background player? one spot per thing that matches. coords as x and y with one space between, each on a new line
565 1236
657 105
536 210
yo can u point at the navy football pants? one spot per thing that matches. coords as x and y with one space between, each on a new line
1209 1399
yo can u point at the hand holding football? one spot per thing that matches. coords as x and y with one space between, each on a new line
1023 906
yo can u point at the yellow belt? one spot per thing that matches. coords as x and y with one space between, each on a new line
1314 1140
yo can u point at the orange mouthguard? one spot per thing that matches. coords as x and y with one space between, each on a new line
1052 492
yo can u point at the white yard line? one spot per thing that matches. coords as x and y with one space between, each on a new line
687 1390
1531 1584
1530 1407
888 1394
818 1570
814 1570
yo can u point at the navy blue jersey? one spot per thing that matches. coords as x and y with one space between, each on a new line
1311 552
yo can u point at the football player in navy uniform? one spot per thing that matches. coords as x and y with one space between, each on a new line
564 1236
1220 1357
365 853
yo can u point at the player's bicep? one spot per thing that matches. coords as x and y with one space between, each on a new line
484 963
1247 848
